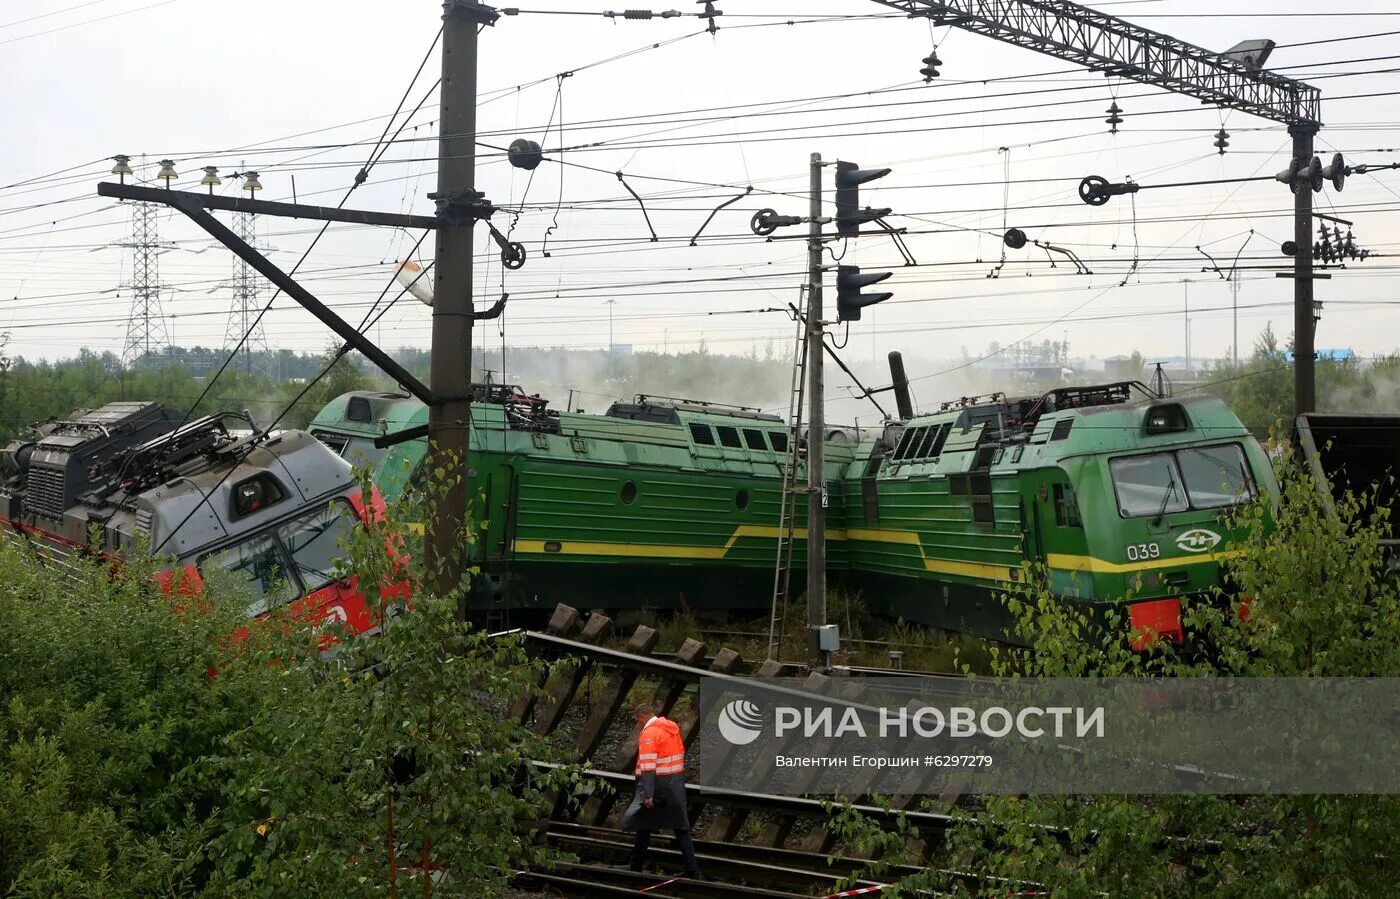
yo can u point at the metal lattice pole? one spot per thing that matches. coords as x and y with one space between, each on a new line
146 332
243 315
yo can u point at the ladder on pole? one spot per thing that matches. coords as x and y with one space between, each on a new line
787 514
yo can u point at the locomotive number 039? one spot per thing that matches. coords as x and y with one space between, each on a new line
1141 552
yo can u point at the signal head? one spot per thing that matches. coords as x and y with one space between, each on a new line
849 299
849 215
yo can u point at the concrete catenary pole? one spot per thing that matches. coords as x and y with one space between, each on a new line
450 368
816 425
1304 389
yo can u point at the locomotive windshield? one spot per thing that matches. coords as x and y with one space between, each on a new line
1208 477
259 566
314 543
297 558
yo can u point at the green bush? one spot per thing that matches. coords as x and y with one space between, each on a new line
1320 603
150 751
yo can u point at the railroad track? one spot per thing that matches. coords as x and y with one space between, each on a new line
751 842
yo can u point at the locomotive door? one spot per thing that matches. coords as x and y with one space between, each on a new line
496 496
1032 508
870 486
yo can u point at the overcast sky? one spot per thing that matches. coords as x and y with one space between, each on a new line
281 87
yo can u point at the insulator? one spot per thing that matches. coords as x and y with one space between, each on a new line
1222 140
211 178
1313 173
1323 232
251 183
122 167
1336 172
1114 119
167 171
931 64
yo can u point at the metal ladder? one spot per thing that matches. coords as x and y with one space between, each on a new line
787 515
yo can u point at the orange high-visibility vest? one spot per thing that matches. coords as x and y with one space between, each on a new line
660 749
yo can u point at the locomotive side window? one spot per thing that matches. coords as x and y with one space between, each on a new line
910 442
337 442
1215 476
255 494
260 565
1067 507
702 435
754 438
943 432
1147 485
362 453
925 449
313 542
729 437
778 440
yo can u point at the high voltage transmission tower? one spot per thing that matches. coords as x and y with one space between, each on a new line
146 333
244 333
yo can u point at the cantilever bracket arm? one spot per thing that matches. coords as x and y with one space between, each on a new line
192 205
1079 267
654 238
1108 44
748 190
266 207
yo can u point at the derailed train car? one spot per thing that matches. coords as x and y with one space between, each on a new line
1104 491
265 511
659 503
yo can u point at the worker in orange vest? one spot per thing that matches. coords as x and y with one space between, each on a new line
660 798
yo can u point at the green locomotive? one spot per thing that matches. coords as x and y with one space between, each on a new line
657 504
663 503
1109 490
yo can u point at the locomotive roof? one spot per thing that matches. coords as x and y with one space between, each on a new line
301 465
989 436
138 470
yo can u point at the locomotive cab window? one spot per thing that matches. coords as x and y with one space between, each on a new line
255 494
1147 485
1215 476
729 437
702 435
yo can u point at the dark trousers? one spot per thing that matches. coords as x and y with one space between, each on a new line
690 866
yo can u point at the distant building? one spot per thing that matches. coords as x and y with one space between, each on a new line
1334 355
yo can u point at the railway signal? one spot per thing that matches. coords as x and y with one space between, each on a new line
849 215
849 284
